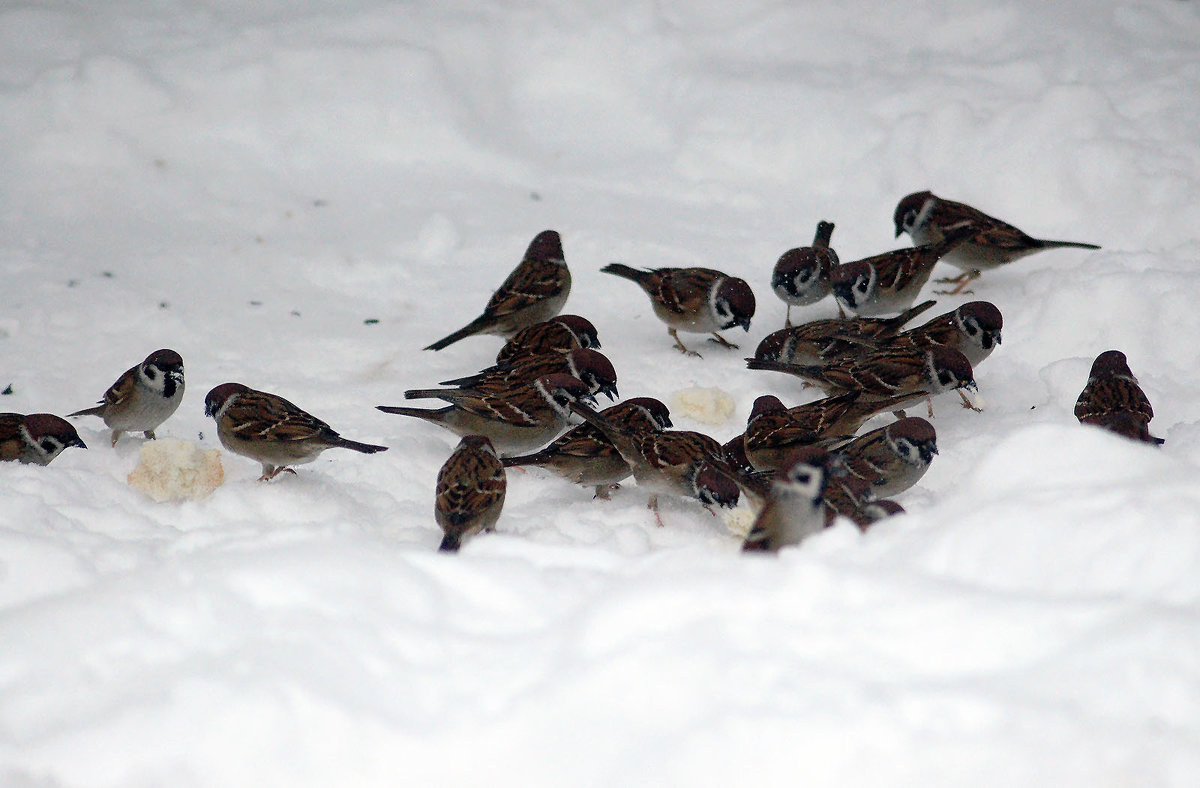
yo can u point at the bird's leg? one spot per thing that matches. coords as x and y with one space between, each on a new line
680 346
653 506
787 323
116 434
929 402
270 472
960 281
966 403
722 341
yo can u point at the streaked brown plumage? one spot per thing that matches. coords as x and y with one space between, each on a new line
1113 399
470 491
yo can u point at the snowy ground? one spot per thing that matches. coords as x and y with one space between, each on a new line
250 183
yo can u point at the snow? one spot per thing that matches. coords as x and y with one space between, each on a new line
250 184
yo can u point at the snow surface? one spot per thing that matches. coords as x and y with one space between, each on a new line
251 183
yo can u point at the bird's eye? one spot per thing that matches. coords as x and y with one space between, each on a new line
49 445
803 277
862 285
151 373
945 378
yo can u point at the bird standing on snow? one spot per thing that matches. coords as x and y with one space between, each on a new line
696 300
793 510
535 291
143 397
801 276
470 491
267 428
928 219
1112 399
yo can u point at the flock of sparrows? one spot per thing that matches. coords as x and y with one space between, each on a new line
800 466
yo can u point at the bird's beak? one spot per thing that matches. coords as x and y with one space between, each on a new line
610 392
78 442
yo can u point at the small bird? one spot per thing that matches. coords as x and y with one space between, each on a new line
993 243
559 334
773 431
516 418
590 366
470 491
535 291
695 300
36 438
793 510
801 276
820 341
585 456
269 429
674 462
889 282
892 458
849 497
919 373
973 328
1113 399
143 397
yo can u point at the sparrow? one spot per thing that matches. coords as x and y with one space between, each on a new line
801 276
973 328
884 374
892 458
143 397
848 497
36 438
773 431
992 243
559 334
1112 399
819 341
516 418
470 491
889 282
535 291
585 456
269 429
695 300
794 509
590 366
673 462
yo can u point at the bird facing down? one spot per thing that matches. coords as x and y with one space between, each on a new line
889 282
794 509
822 341
516 417
585 456
36 438
993 243
470 491
884 374
535 291
892 458
590 366
801 275
1113 399
695 300
269 429
675 462
559 334
143 397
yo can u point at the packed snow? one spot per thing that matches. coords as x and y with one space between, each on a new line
300 195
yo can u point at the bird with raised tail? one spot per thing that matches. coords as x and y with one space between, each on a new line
801 275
